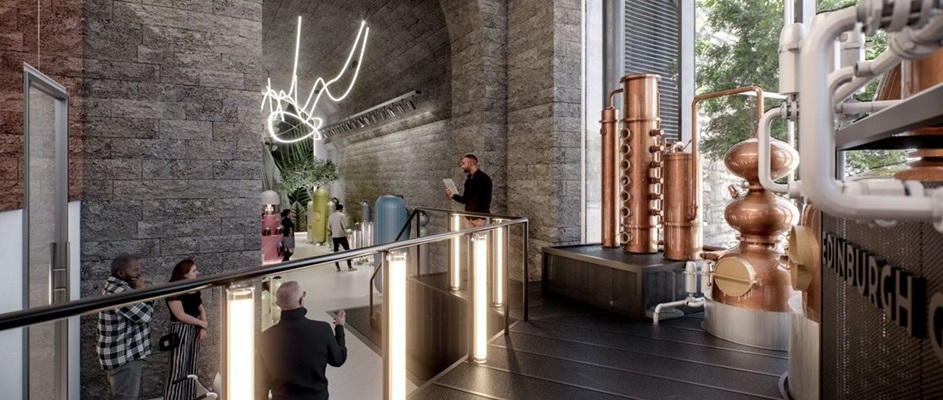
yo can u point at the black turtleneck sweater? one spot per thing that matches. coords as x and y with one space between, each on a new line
477 196
295 354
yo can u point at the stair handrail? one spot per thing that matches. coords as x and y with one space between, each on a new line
490 217
85 306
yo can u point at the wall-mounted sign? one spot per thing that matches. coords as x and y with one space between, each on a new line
901 295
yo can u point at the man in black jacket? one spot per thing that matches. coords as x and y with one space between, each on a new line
477 196
295 352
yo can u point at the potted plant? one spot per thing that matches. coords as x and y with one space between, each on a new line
300 179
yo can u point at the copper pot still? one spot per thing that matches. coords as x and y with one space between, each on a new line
750 276
641 144
917 76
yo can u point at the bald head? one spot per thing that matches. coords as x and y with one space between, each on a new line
289 296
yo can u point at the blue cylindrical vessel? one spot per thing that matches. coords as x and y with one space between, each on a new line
390 217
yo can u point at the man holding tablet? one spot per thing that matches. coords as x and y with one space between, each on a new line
477 195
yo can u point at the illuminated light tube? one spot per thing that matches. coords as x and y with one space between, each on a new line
500 256
394 326
480 298
455 267
279 101
240 343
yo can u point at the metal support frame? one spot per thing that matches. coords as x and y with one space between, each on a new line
59 290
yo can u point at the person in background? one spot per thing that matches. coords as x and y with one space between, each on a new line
188 321
337 223
288 234
477 196
296 351
124 337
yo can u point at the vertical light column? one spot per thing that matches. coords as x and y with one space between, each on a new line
479 286
239 354
455 264
394 325
500 263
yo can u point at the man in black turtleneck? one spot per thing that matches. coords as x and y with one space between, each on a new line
296 351
477 196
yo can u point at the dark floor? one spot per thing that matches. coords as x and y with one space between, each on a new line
568 350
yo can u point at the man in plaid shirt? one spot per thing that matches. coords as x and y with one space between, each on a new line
124 338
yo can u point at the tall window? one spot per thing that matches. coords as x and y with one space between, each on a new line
653 43
593 94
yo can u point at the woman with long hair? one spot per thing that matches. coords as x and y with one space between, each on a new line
188 321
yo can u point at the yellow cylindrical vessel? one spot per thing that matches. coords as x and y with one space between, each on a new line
319 214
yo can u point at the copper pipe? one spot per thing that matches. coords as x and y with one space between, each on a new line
696 138
643 137
609 178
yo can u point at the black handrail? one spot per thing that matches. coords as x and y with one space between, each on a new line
41 314
406 225
490 217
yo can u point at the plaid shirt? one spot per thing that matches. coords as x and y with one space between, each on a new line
123 333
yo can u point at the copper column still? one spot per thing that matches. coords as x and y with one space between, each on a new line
683 181
915 77
682 225
610 142
641 148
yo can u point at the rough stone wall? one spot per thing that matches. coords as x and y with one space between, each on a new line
544 121
478 32
407 50
53 44
172 156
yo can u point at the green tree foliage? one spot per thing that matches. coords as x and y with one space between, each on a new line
307 173
750 57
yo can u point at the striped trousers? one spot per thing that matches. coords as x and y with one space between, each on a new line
183 362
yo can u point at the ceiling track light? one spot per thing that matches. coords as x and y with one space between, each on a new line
380 112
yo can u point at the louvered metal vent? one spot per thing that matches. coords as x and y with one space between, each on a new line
652 44
865 354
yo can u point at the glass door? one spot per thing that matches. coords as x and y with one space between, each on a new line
45 230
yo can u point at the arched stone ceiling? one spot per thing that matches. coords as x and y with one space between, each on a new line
408 48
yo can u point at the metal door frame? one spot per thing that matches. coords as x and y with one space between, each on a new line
59 264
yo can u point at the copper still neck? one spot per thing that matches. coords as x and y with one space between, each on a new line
641 148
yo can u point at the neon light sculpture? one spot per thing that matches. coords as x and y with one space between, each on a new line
283 104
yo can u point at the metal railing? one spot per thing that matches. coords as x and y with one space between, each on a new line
41 314
506 221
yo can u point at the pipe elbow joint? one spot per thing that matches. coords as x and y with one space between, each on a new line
907 45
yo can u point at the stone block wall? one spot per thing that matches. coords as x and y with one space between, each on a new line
407 50
47 35
478 32
172 159
544 118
